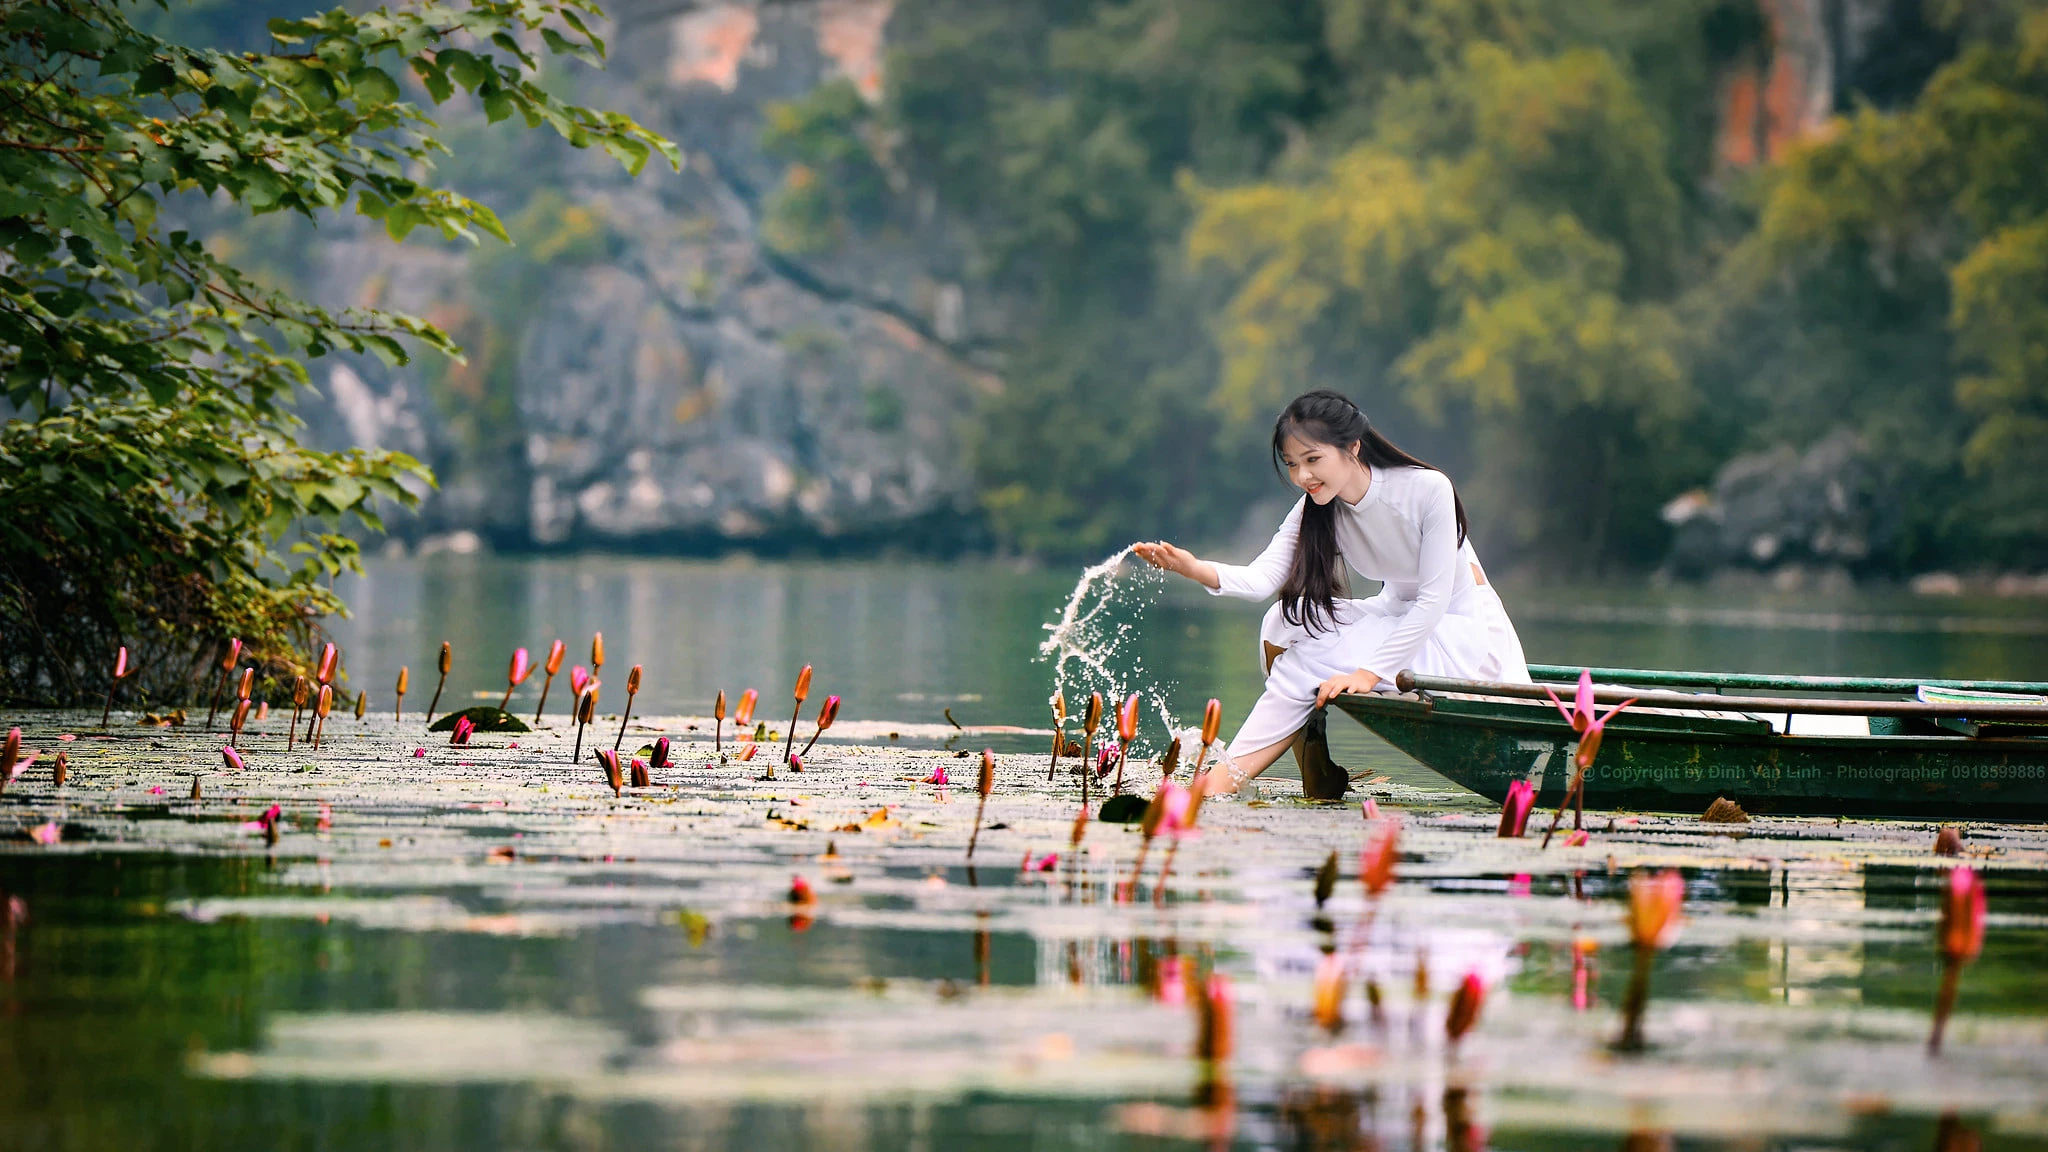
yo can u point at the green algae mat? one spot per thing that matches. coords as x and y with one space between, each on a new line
484 946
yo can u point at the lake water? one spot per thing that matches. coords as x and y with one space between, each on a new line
485 948
906 641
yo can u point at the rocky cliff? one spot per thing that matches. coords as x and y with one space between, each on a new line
679 384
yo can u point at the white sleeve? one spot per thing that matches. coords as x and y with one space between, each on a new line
1436 576
1263 576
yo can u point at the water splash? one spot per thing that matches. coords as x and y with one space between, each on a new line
1089 645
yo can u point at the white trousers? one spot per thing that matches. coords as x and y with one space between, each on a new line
1475 640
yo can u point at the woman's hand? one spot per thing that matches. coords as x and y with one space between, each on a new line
1180 561
1359 683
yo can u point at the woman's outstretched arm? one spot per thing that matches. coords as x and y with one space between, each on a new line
1254 581
1174 558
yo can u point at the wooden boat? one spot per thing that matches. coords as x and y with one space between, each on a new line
1840 746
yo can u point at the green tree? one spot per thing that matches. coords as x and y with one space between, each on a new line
1897 283
153 488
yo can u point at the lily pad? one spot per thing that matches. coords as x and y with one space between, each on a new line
1124 809
486 717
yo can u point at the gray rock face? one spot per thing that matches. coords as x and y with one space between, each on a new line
693 388
1820 506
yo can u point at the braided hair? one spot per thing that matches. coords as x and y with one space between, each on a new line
1308 598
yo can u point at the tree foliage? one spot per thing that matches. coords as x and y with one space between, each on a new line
154 490
1502 226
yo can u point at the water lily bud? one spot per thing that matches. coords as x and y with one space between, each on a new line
1465 1005
1514 811
744 714
633 681
463 728
362 704
241 716
404 678
1326 879
1577 839
718 709
1961 934
247 685
1127 720
640 777
803 684
1948 841
447 657
1329 993
121 662
233 758
233 657
300 690
555 657
1094 716
1212 719
1382 853
800 891
326 703
828 712
661 752
522 667
1654 903
579 679
596 651
1059 707
262 711
586 707
610 761
328 656
939 777
988 772
796 762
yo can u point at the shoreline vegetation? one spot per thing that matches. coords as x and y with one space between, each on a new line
1546 250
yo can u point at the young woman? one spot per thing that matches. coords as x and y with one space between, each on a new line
1393 519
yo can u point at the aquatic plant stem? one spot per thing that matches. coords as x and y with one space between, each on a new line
623 718
1059 743
109 709
213 709
789 741
1571 790
1123 753
979 807
1636 1001
1944 1003
543 705
578 757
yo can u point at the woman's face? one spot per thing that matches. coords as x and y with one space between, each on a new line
1324 471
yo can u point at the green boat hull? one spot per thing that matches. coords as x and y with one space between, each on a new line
1664 762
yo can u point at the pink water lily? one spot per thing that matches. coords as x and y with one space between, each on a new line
121 663
1173 810
938 777
328 657
463 729
660 753
233 758
419 753
156 789
1045 863
578 677
522 667
1577 839
1583 720
1514 811
48 832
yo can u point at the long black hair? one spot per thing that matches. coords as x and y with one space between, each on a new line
1309 597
